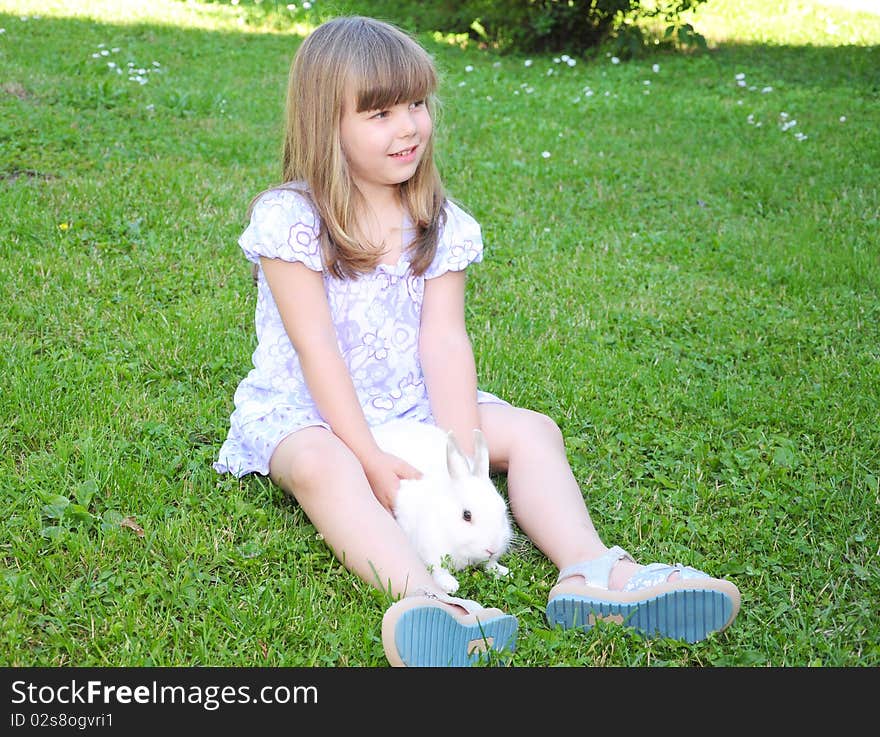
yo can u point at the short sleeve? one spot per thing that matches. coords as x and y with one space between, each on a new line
460 243
285 226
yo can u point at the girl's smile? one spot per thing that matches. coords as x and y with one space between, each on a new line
406 155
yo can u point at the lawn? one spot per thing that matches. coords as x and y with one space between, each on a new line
682 268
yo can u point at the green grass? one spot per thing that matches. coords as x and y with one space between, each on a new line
693 296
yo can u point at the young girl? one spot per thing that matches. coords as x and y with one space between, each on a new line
360 263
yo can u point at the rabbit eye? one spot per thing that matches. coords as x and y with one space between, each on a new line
466 515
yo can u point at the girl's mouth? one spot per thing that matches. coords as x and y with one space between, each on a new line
406 153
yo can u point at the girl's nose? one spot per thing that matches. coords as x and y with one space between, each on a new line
408 125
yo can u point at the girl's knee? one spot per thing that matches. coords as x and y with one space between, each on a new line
518 432
539 427
310 459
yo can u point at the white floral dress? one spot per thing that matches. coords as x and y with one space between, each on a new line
377 327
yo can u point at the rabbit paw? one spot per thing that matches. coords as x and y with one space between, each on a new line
446 580
496 569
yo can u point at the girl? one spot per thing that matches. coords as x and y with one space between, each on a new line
360 264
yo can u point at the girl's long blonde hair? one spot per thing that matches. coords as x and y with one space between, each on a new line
384 66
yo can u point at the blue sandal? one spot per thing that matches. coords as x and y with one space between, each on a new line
418 632
688 608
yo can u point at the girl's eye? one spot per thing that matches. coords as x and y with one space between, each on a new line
380 114
416 104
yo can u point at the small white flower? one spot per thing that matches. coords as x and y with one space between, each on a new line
783 116
739 102
800 136
497 65
615 60
571 62
104 52
545 154
529 90
766 90
589 93
556 59
655 68
646 82
2 30
151 107
740 76
516 92
565 57
462 84
741 83
549 71
646 92
115 49
751 119
469 68
843 118
307 5
527 62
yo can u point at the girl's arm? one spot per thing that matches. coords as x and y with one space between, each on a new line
302 303
448 359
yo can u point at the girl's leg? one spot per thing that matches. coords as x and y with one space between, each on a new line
324 476
546 501
425 628
545 498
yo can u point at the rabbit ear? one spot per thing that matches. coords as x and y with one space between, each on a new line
456 462
481 454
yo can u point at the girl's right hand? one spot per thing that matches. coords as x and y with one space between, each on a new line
384 472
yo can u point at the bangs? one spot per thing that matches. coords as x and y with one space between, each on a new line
392 70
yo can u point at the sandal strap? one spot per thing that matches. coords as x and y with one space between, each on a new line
597 571
470 606
654 574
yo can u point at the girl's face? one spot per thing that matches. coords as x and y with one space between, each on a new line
383 148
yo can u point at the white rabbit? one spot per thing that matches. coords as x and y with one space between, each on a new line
453 515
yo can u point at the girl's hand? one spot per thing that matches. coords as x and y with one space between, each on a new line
384 472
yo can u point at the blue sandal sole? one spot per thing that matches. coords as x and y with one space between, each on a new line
431 637
684 614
